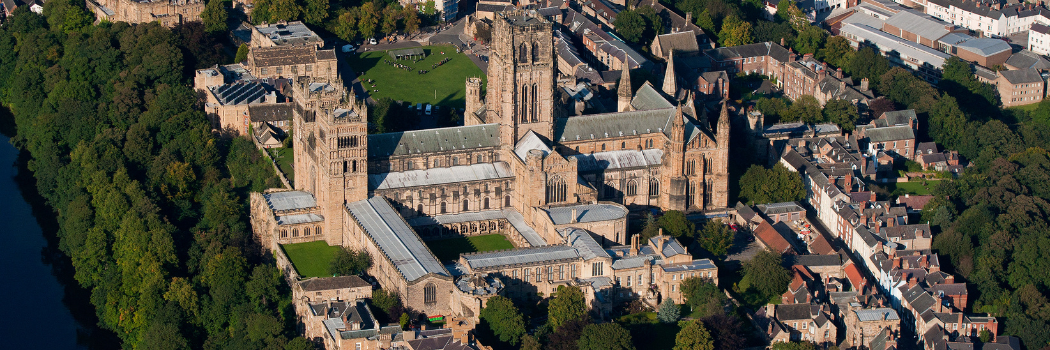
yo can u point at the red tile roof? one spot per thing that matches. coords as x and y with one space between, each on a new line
772 239
855 277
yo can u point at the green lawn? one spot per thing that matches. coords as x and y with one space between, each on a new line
444 85
450 249
285 159
311 259
913 187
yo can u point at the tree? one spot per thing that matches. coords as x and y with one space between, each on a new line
810 39
411 15
605 336
985 335
761 185
676 224
694 336
347 262
794 346
368 19
880 105
772 108
567 335
705 22
806 109
316 12
630 25
346 28
391 17
725 330
214 16
841 112
837 51
529 342
503 319
651 228
716 237
735 32
764 274
403 320
242 53
429 8
567 305
386 305
774 31
668 312
284 10
703 297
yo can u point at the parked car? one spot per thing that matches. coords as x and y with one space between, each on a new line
419 108
348 48
372 41
429 109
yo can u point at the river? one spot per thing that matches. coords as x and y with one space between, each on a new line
46 309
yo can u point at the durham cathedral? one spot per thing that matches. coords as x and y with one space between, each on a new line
559 186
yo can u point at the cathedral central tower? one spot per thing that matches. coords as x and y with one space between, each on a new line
521 76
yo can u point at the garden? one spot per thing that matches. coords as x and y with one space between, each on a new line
311 259
450 249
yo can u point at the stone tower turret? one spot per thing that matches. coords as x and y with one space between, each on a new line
676 184
670 83
624 93
474 102
722 130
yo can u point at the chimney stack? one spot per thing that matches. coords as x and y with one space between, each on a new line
688 20
864 84
838 73
634 244
782 42
573 219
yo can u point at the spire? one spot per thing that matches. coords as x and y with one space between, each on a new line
670 85
722 129
624 93
678 125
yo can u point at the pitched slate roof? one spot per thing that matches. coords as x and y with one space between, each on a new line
439 176
326 283
530 142
1028 59
681 43
919 23
1021 76
270 112
433 140
586 213
623 159
890 133
395 238
520 256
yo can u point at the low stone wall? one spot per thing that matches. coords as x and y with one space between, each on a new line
287 269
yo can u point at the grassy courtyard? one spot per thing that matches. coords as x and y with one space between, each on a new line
311 259
450 249
285 159
444 85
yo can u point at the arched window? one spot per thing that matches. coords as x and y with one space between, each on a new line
486 202
295 232
603 147
523 107
654 187
691 168
506 201
632 188
692 193
466 205
523 53
317 230
444 209
437 163
536 51
430 294
284 233
539 275
353 168
479 158
555 190
623 145
534 105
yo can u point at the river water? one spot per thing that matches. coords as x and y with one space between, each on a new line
45 308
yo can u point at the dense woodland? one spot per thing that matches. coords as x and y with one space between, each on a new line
152 206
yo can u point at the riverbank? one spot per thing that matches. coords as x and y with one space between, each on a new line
48 308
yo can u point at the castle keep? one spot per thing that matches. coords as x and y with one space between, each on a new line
558 187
